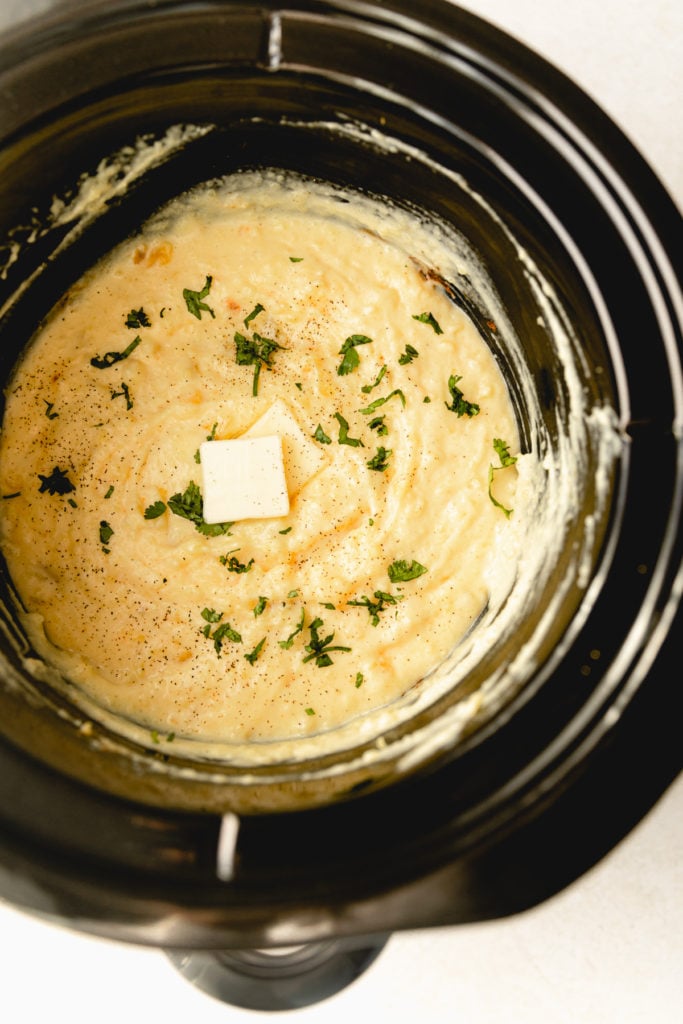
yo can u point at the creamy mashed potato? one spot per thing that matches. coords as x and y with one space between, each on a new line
259 305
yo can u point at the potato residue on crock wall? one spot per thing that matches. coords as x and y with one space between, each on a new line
268 629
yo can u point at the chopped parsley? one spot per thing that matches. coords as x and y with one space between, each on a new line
503 452
155 510
459 404
233 564
321 436
260 606
137 318
396 393
408 356
428 318
222 632
351 358
287 529
359 679
310 711
401 571
190 505
256 351
194 300
56 483
109 358
295 259
258 308
253 655
367 388
286 644
318 648
106 534
123 393
380 461
110 491
376 607
378 424
48 411
344 438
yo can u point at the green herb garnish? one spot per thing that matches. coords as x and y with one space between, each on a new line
408 356
137 318
260 606
310 711
348 350
359 679
396 393
367 388
428 318
251 658
286 644
106 533
190 505
109 358
380 461
56 483
503 452
258 308
193 300
344 438
233 564
109 493
378 424
321 436
256 351
123 393
155 510
459 404
376 607
48 411
223 631
319 649
401 571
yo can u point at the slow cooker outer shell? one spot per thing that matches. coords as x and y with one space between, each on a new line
481 835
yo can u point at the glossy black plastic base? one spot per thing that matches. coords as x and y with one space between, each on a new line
286 978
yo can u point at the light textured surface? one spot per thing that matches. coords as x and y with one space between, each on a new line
609 949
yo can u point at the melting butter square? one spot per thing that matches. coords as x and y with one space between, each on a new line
243 479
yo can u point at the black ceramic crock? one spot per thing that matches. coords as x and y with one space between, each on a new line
572 761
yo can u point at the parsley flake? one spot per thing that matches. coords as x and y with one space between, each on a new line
428 318
396 393
376 607
401 571
190 505
321 436
459 404
123 393
56 483
380 461
319 649
408 356
344 438
351 358
193 300
367 388
233 563
109 358
48 411
260 606
256 351
286 644
506 460
253 655
137 318
155 510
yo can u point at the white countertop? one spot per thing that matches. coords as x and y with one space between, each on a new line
608 950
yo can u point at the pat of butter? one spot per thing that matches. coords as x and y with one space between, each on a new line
243 479
303 457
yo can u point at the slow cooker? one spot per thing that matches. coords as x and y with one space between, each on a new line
274 890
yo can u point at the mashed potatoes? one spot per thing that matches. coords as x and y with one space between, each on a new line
258 306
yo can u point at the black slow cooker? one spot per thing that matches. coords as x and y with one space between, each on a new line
490 138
